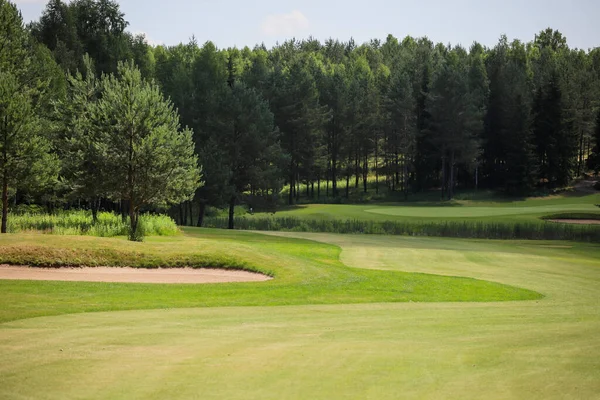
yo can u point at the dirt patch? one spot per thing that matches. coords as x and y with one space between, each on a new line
577 221
130 275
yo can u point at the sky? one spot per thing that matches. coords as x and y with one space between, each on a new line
247 23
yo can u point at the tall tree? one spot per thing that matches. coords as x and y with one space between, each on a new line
94 27
248 143
593 162
300 117
151 159
455 117
83 167
402 134
25 153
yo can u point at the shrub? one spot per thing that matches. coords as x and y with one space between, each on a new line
81 223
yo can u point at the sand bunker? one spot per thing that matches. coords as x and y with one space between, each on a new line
130 275
577 221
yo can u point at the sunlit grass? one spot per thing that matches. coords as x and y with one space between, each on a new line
314 347
305 272
81 223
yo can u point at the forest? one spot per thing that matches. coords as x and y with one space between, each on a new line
94 117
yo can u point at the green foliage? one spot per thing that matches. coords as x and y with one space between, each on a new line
455 104
82 223
93 27
26 160
410 113
148 159
83 167
593 162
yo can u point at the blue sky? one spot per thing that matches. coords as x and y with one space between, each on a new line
240 23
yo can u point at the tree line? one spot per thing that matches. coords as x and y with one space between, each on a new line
317 119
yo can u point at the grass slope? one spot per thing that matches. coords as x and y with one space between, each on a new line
305 272
485 209
545 349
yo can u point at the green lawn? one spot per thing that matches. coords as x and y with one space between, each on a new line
482 209
305 272
383 346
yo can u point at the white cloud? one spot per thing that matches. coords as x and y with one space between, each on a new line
285 24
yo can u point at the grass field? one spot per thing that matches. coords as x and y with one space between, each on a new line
483 217
484 208
356 323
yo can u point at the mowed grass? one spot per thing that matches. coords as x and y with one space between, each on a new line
483 209
541 349
305 272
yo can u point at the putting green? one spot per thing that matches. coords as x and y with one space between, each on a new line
473 212
543 349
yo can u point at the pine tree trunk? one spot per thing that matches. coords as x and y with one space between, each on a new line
201 211
397 167
185 213
451 185
356 169
580 153
365 173
123 211
333 178
405 177
348 183
4 201
319 188
292 185
95 205
231 212
443 178
133 221
191 211
376 167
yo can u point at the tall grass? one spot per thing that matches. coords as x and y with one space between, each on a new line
574 215
81 223
458 229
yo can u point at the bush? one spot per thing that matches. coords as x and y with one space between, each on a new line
81 223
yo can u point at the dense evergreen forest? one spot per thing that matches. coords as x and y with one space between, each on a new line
93 116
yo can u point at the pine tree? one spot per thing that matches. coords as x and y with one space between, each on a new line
593 162
456 117
250 156
150 158
83 168
25 153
